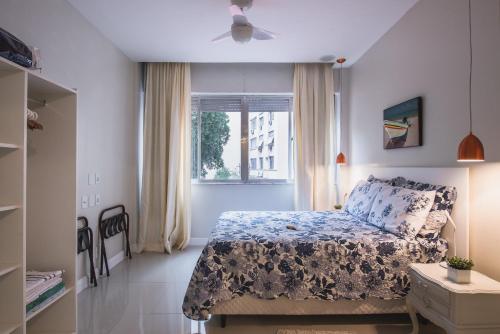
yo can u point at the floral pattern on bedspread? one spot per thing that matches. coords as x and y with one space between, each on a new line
331 255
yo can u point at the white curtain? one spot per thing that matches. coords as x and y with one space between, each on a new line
165 221
314 137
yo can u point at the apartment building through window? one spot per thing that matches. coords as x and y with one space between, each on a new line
242 138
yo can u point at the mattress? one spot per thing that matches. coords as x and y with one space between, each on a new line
327 256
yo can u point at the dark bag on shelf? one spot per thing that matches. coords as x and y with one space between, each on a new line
15 50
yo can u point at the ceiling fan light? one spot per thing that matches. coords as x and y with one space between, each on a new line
341 160
241 33
470 149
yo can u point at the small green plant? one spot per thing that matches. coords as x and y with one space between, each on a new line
337 206
460 263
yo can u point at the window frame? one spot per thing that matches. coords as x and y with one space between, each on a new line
245 141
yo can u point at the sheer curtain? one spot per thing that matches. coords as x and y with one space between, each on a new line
165 221
314 136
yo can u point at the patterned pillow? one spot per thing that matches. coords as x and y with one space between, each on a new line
361 199
401 211
396 181
444 200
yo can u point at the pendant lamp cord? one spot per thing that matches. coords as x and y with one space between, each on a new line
470 67
341 81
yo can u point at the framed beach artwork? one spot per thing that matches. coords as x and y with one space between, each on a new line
403 124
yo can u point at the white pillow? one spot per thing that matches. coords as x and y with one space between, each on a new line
361 198
401 211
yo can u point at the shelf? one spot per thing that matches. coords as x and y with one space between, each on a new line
8 328
40 88
9 146
32 315
8 66
6 268
9 208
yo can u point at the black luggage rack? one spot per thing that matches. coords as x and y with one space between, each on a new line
110 226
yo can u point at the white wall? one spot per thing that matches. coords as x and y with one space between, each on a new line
210 200
75 54
426 53
241 78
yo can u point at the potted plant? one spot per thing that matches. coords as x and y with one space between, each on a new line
459 269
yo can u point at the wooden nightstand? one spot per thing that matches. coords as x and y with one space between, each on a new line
458 308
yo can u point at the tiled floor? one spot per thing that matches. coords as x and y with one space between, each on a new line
144 296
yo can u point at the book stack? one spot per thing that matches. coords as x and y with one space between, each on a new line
42 288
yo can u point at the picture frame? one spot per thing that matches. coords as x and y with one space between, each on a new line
403 125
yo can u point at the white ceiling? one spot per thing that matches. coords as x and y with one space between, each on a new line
181 30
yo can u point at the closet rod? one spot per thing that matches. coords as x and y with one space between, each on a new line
43 103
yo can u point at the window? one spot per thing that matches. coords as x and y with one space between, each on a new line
253 164
253 143
253 125
225 146
271 162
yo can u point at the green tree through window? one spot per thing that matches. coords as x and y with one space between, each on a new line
214 135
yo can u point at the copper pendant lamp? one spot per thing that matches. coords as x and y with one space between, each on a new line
470 149
341 160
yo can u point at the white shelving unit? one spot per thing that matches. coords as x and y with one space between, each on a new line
37 198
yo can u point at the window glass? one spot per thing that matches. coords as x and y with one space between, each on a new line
220 142
216 145
275 139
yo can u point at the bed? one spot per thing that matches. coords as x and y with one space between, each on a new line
333 263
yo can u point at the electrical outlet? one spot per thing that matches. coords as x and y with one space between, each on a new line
92 200
97 199
85 201
97 178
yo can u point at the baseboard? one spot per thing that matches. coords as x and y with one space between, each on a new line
83 282
198 241
115 260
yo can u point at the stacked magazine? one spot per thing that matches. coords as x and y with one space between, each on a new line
42 288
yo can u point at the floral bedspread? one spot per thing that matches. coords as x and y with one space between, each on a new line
330 256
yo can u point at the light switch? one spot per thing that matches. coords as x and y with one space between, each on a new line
92 200
85 201
97 199
91 179
97 178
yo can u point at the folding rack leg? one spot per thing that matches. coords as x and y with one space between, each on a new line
104 258
93 278
128 252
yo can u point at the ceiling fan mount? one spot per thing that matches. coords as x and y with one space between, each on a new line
243 4
243 31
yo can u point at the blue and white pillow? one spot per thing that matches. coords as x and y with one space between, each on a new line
401 211
361 199
444 201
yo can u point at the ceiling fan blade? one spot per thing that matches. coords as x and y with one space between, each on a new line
239 17
262 34
222 37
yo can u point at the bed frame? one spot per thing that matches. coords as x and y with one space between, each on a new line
458 177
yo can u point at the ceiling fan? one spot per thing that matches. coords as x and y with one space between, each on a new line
243 31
